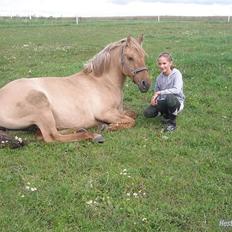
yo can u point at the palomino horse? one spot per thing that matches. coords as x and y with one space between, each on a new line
82 100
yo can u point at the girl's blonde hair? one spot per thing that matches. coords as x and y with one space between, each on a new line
168 57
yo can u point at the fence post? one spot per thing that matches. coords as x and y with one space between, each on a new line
228 19
77 20
158 18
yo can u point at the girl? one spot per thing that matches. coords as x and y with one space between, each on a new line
168 98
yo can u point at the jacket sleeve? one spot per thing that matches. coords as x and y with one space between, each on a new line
156 87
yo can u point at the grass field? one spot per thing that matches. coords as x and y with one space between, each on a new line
139 179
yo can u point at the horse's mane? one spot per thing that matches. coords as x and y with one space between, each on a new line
100 62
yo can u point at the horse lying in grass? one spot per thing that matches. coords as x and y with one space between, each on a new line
82 100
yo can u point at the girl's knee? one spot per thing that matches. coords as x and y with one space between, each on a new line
150 112
172 101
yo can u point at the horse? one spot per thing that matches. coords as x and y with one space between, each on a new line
91 97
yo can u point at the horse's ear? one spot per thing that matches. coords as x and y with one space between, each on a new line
140 39
128 40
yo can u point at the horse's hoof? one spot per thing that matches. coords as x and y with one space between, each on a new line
81 130
103 127
98 139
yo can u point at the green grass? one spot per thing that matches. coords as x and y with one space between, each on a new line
139 179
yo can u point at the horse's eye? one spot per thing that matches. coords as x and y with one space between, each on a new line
130 58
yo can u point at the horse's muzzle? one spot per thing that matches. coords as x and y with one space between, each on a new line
144 85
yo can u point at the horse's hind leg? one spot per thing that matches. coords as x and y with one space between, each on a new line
46 124
39 113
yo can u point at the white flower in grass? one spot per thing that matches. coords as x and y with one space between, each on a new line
33 189
138 194
29 188
144 219
124 172
90 202
18 139
164 137
135 194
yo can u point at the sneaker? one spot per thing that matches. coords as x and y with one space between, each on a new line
170 128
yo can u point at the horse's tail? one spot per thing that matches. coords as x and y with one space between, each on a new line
8 141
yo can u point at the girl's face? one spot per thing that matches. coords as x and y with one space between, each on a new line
164 65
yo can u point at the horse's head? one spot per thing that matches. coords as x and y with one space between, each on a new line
133 63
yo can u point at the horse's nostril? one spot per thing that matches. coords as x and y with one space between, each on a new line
144 83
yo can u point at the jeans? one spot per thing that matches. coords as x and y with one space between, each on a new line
167 107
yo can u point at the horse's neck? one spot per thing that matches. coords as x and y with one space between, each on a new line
114 74
116 79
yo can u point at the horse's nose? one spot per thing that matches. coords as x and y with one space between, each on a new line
144 86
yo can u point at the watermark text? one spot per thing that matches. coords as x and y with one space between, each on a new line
224 223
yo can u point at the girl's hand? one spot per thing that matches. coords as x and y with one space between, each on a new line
154 101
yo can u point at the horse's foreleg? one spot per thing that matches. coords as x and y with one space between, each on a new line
130 114
116 120
124 123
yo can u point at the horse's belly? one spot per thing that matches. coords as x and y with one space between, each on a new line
74 121
78 125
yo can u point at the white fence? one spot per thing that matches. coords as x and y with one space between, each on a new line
77 19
